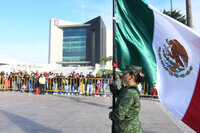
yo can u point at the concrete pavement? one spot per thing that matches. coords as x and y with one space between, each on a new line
30 113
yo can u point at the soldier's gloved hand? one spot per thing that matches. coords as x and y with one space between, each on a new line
113 88
110 115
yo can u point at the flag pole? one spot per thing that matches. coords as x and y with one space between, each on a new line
113 100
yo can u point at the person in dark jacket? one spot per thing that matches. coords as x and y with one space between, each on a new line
27 81
70 84
81 83
90 84
104 83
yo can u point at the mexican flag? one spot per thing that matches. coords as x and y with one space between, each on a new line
167 50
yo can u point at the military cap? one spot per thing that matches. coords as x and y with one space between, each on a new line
132 68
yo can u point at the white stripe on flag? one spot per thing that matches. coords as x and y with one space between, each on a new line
175 93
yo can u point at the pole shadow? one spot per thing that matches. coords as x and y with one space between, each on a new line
79 100
148 132
28 126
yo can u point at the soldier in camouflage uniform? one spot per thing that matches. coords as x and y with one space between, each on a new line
127 108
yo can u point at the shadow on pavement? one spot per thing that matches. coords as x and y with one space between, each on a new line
149 99
79 100
28 126
147 132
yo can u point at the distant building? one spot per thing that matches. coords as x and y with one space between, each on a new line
77 44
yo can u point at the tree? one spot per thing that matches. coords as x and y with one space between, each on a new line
110 58
103 59
176 15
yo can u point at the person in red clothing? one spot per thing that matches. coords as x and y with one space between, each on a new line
98 85
45 74
154 93
74 74
37 73
6 82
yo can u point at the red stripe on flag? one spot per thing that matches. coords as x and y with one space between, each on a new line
192 115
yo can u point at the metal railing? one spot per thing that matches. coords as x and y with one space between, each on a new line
65 86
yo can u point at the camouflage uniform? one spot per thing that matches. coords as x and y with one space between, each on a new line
126 111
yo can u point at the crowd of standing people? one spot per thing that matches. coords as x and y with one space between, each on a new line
57 83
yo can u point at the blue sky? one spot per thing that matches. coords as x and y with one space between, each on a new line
24 24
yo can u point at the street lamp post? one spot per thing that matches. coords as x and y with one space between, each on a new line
189 13
171 6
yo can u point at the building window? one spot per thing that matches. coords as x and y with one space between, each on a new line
74 44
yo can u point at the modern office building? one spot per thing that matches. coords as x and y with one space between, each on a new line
77 44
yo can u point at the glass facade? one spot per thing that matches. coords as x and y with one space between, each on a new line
74 44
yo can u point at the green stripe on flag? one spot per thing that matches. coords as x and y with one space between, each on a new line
134 37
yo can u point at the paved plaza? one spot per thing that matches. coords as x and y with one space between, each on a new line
30 113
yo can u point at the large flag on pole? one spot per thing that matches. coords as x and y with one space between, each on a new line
169 53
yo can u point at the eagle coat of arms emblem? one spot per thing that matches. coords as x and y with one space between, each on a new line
174 58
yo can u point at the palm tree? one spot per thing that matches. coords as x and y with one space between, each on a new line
110 58
103 59
176 15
